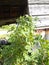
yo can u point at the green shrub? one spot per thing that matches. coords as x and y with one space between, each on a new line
26 47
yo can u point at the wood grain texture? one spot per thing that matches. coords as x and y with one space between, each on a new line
38 1
39 9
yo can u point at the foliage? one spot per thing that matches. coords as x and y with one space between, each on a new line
27 48
7 27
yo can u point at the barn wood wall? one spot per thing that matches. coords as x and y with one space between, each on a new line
39 8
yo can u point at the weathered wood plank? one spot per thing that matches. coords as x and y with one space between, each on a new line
42 18
38 1
42 21
39 9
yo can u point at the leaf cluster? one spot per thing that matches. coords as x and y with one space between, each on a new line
26 47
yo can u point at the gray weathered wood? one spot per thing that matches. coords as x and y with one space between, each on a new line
38 9
42 21
38 1
40 18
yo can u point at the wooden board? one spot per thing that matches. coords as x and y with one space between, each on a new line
43 21
39 10
42 18
38 1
